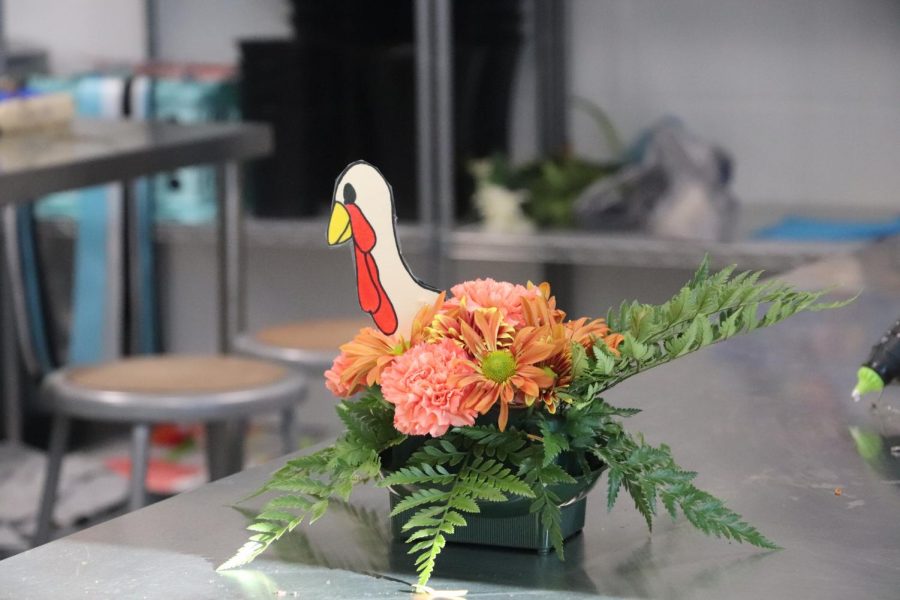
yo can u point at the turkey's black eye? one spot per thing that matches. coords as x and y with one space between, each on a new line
349 194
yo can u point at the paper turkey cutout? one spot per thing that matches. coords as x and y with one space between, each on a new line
362 210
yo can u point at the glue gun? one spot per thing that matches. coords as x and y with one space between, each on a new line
883 365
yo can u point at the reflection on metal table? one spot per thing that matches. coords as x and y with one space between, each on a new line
765 419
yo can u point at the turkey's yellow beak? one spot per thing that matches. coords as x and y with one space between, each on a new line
339 230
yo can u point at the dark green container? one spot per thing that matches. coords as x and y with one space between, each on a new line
509 524
506 524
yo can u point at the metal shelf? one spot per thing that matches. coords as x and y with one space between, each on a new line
589 249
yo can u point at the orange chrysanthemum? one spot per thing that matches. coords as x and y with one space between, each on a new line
362 360
613 341
423 320
540 310
504 363
445 325
558 365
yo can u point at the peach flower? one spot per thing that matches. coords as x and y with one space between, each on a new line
419 385
362 360
488 293
334 378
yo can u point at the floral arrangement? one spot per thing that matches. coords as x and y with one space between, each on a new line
495 385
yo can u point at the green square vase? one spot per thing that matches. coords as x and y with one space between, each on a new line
512 531
510 523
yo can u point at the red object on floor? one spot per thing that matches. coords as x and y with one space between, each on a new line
163 477
170 434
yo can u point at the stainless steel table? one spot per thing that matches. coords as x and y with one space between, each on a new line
95 152
765 419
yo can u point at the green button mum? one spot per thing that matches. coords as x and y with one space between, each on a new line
498 365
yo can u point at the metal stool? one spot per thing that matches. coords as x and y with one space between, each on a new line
306 345
154 389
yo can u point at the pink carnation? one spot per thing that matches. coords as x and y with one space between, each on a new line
333 377
418 385
485 293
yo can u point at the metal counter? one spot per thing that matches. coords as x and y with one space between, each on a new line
765 420
100 151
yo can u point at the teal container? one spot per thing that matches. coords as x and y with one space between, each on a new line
188 195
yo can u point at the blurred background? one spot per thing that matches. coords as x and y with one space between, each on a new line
602 145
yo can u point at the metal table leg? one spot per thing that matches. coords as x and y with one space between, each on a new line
140 462
59 438
225 441
225 447
230 254
12 385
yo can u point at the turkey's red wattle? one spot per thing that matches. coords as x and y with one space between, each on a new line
373 299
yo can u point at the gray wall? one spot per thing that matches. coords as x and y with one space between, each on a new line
208 30
805 93
79 34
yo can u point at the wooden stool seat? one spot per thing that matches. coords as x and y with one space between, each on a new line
325 334
310 345
217 390
178 375
173 388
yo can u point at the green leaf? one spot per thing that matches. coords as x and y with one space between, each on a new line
702 273
710 309
648 472
366 419
312 480
710 515
554 443
276 515
546 503
580 361
419 497
604 363
614 484
477 478
291 502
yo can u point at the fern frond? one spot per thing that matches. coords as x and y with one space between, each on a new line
710 515
494 443
710 309
546 505
311 481
455 474
648 473
365 419
492 474
418 498
554 442
419 475
540 475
